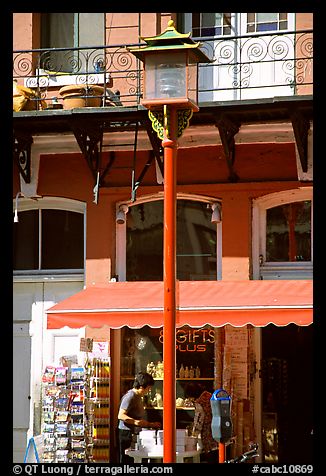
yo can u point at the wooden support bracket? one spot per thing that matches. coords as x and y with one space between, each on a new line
22 148
301 126
228 128
89 138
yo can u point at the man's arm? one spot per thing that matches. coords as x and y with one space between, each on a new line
123 415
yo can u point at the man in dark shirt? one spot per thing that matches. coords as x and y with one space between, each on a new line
131 414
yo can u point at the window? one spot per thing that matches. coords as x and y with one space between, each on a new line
46 239
253 54
211 24
72 30
260 22
223 24
288 230
142 350
197 238
282 240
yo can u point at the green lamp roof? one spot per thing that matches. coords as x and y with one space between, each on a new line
171 39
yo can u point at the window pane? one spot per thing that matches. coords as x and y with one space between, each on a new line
283 25
25 240
91 32
211 31
211 24
211 19
267 27
196 20
58 32
196 242
288 232
145 242
250 17
91 29
266 17
227 19
62 240
70 30
302 230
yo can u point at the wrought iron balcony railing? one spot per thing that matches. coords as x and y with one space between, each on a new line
242 67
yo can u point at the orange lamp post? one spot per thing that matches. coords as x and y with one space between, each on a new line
170 93
221 452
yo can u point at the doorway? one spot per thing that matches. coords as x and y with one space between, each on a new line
287 393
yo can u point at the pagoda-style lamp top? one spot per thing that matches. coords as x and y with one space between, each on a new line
170 68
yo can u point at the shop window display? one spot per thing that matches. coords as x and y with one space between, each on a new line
143 351
212 357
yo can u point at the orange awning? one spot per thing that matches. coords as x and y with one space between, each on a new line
136 304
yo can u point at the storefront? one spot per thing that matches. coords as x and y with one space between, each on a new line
217 343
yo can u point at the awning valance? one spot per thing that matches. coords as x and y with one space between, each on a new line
136 304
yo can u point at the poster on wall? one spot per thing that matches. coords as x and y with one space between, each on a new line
236 347
100 350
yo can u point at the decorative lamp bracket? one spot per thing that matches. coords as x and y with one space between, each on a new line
161 120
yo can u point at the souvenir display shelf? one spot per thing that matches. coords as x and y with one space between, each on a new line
97 409
75 412
63 415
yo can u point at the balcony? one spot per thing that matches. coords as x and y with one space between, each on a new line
243 68
251 79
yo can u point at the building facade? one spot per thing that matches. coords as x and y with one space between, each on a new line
88 185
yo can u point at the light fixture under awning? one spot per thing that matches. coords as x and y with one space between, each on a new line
136 304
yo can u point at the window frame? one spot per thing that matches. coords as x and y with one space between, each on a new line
261 268
238 25
121 231
78 46
256 23
52 203
79 27
239 69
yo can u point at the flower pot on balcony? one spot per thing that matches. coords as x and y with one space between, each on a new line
26 99
81 96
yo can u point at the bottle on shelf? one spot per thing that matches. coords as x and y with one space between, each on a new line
159 399
181 372
197 372
191 372
187 372
159 369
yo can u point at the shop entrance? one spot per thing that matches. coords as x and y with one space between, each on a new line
287 383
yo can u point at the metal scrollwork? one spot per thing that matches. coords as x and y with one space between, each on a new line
241 67
184 116
157 119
